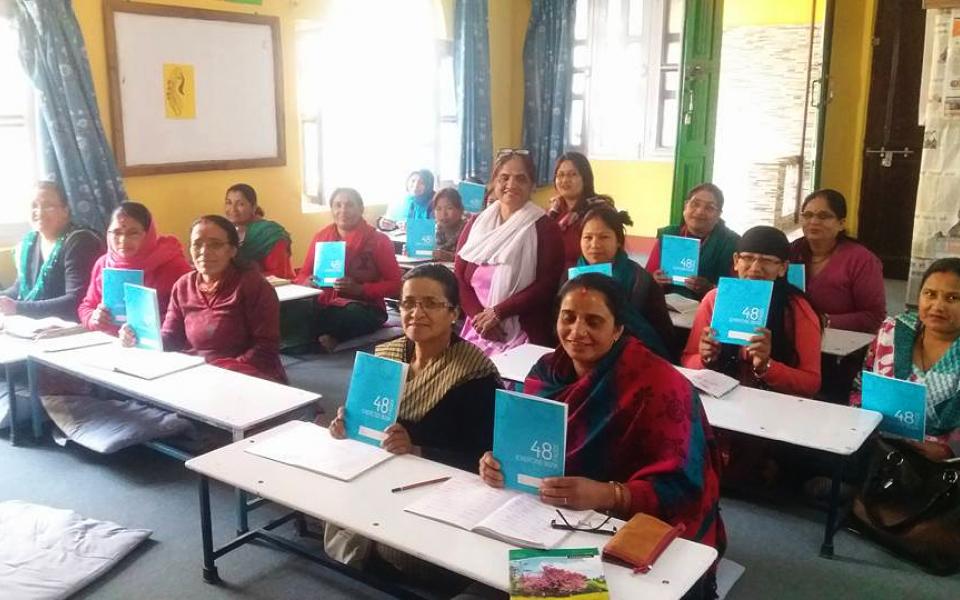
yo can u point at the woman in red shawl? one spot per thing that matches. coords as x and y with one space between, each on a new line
133 243
225 311
354 306
638 439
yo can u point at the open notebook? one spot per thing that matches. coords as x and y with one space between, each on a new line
681 304
33 329
516 518
139 362
310 447
711 382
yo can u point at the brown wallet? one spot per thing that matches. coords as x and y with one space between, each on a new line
640 542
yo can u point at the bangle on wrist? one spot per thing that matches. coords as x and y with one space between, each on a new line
760 371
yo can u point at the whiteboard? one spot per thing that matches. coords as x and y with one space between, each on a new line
236 119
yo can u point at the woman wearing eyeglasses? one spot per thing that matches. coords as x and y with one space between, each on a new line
784 356
638 439
447 409
224 311
573 182
509 263
133 243
702 210
53 261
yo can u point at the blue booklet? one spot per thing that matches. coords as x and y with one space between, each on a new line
113 280
373 398
143 315
903 404
742 305
680 257
421 237
472 195
797 275
602 268
329 261
529 439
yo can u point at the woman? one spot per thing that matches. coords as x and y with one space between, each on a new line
923 347
355 305
133 243
784 356
844 279
646 317
447 208
416 205
53 261
637 436
262 242
447 409
573 182
225 311
509 263
701 219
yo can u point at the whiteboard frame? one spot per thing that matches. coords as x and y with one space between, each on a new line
110 8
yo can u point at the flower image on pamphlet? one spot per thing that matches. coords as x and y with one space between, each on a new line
329 262
373 398
680 257
741 307
113 280
602 268
529 439
797 275
903 404
421 237
143 315
575 573
472 195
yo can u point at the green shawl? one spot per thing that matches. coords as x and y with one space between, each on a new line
261 237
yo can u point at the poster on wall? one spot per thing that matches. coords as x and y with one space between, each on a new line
180 101
936 226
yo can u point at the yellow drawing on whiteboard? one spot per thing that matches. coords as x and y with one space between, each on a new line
180 99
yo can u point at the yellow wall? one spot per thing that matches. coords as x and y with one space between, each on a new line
738 13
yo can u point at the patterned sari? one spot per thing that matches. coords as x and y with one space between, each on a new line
635 419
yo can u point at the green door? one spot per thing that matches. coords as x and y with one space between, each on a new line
693 158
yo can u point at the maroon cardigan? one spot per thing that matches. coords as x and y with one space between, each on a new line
534 304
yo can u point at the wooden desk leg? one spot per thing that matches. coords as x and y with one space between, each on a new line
210 574
12 398
33 380
826 549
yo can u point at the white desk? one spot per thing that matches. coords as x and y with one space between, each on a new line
292 291
366 506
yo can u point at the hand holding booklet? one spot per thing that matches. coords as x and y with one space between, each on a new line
113 292
529 439
515 518
680 257
373 398
741 307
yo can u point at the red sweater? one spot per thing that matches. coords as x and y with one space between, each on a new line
802 380
161 279
533 305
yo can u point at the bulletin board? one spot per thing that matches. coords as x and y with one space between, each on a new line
193 89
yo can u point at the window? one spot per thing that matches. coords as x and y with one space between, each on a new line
376 99
18 165
626 78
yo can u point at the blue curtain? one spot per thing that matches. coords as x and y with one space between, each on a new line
74 148
471 67
548 70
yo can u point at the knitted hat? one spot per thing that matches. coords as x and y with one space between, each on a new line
764 239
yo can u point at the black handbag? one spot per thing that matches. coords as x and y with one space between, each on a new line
911 505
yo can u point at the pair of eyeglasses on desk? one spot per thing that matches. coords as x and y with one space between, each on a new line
566 526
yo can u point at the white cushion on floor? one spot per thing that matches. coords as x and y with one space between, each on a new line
49 553
110 425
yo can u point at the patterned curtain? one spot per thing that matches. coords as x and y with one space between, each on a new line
548 69
471 67
74 147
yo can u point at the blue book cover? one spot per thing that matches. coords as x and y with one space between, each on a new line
529 439
680 257
797 275
742 305
472 195
329 261
143 315
602 268
421 237
903 404
373 398
113 280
